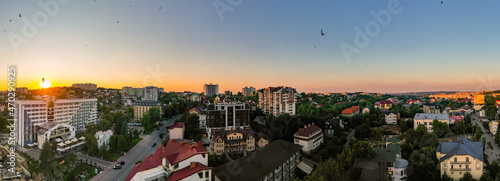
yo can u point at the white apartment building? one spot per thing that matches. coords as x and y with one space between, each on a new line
211 89
427 119
277 100
103 138
391 118
310 137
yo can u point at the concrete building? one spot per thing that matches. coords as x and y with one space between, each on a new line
52 130
211 89
232 141
139 92
310 137
180 160
493 127
460 156
140 107
227 115
391 118
103 138
248 91
85 86
176 131
431 109
31 114
427 119
277 161
151 93
262 139
21 90
277 100
330 125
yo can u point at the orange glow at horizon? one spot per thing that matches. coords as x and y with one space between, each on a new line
45 84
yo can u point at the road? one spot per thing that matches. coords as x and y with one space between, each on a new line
100 163
492 154
138 152
349 136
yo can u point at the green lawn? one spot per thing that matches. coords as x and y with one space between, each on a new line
112 156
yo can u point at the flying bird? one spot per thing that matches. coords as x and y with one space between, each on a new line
314 46
441 2
322 34
10 20
19 14
117 21
160 8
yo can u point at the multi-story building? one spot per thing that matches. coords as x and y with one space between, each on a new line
133 91
140 107
310 137
248 91
277 100
85 86
383 104
211 89
31 114
431 109
277 161
460 156
176 131
180 160
150 93
262 140
391 118
232 141
391 160
21 90
227 115
103 138
330 125
427 119
493 127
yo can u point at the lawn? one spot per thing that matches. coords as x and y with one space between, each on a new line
112 156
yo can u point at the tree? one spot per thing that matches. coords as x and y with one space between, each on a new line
439 128
161 136
362 149
479 133
460 127
46 155
362 131
113 142
445 177
122 143
423 165
104 124
467 177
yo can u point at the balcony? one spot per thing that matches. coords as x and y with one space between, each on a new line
461 162
461 169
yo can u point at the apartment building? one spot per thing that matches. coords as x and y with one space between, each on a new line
176 131
248 91
151 93
493 127
391 118
232 141
427 119
211 89
431 109
180 160
277 100
141 106
277 162
85 86
310 137
227 115
460 156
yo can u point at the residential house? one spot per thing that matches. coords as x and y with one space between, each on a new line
262 139
330 125
391 118
277 161
493 127
179 160
460 156
427 119
351 111
176 131
390 159
431 109
365 110
103 138
310 137
232 141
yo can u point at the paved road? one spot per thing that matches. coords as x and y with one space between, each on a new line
138 152
100 163
492 154
349 136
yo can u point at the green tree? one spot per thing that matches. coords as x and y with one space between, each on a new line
467 177
161 135
445 177
479 134
46 155
104 124
460 127
362 149
440 129
122 143
362 131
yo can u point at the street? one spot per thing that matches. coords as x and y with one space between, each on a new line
492 154
138 152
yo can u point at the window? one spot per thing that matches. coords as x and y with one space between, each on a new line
444 165
455 159
467 159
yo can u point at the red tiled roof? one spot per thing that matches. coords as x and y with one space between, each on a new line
347 111
355 108
187 171
308 131
176 125
175 152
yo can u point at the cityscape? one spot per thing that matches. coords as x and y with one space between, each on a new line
249 91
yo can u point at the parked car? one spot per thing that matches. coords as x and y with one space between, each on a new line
121 162
117 166
4 143
154 144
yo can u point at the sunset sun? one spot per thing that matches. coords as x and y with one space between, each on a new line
45 84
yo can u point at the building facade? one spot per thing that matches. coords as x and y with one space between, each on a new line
391 118
176 131
133 91
277 100
493 127
211 89
30 114
85 86
277 162
460 156
248 91
232 141
140 107
227 115
310 137
427 119
150 93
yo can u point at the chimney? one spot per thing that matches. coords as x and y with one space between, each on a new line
193 164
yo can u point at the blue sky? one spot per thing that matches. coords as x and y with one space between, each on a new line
427 46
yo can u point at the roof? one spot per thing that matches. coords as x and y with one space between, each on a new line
401 163
260 135
175 152
259 164
187 171
176 125
347 111
461 146
308 131
432 116
218 133
392 140
387 154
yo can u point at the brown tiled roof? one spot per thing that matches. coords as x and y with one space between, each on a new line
308 131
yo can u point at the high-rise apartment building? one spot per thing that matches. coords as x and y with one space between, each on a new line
151 93
228 115
211 89
277 100
85 86
247 91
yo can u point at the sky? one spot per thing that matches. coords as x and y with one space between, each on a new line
407 46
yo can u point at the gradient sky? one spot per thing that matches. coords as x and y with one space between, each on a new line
428 46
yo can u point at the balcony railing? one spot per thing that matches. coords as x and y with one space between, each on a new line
460 169
461 162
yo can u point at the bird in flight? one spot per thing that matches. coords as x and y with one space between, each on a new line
322 34
117 21
160 8
10 20
441 2
19 14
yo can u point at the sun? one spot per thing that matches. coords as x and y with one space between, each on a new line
47 84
